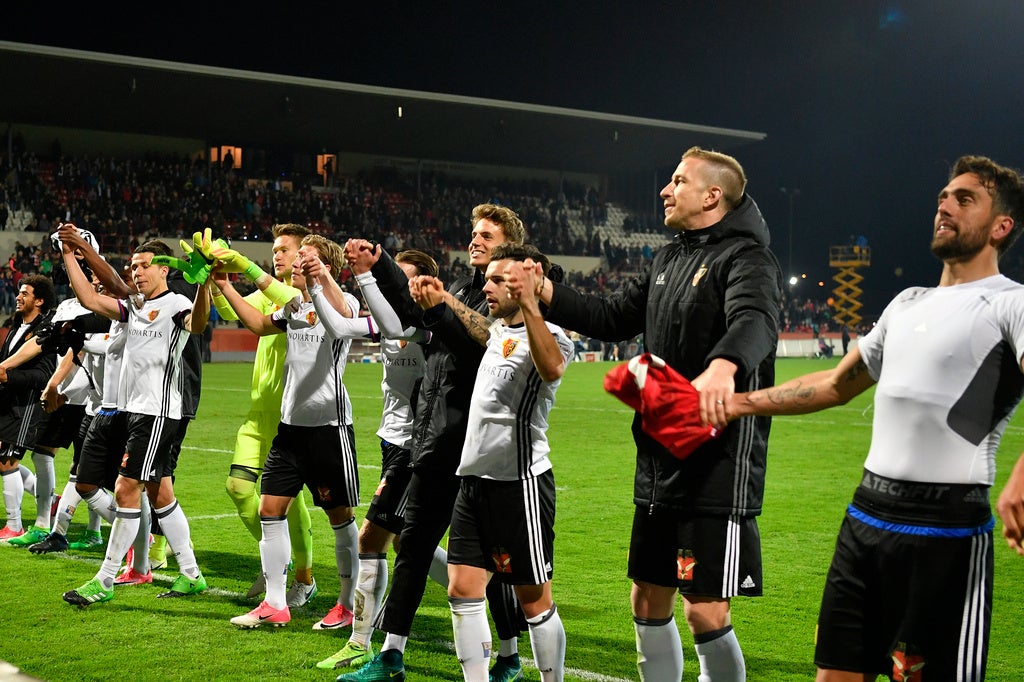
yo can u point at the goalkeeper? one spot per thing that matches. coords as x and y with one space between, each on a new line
254 436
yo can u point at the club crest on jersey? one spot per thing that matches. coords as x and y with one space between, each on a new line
508 347
311 318
906 667
703 270
685 564
152 315
502 561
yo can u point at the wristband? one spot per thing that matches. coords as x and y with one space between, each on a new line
315 289
254 272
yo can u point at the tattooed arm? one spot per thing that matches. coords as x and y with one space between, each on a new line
478 326
430 292
809 393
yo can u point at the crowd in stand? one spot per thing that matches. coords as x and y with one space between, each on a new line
126 201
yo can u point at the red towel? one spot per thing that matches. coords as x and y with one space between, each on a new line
666 401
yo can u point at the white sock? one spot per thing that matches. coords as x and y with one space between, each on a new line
438 570
721 659
122 532
69 500
45 479
175 528
14 490
369 591
140 546
275 552
396 642
547 637
346 553
659 650
102 502
472 637
94 520
28 479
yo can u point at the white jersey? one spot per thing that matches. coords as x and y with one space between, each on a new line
314 366
506 432
947 362
403 369
103 352
150 377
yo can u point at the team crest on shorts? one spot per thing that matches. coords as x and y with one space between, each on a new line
685 564
324 493
508 347
906 667
152 315
502 561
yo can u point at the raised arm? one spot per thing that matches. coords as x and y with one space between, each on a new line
111 280
383 314
252 319
429 292
544 349
196 321
84 291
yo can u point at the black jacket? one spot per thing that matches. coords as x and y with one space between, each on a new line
452 360
711 293
25 382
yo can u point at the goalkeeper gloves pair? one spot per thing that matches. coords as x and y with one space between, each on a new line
204 253
198 261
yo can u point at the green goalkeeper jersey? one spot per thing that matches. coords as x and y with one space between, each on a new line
268 368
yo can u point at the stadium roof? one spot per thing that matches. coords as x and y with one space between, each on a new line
49 86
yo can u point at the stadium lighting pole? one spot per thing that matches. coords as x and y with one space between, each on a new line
792 193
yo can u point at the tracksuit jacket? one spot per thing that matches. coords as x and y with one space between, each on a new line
710 293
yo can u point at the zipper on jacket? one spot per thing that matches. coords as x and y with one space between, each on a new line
654 486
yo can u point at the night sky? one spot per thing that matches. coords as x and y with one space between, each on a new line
865 104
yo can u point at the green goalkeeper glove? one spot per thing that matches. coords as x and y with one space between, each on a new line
232 261
195 268
197 263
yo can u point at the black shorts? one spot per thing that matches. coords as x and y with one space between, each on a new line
900 596
18 429
387 508
507 527
105 443
148 450
703 556
175 449
79 442
323 458
58 429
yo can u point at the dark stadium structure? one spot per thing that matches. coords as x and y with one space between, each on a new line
284 115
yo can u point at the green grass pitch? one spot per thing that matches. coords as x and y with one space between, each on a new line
814 465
